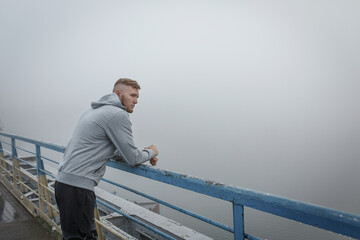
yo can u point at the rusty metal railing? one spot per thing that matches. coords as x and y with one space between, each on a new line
13 175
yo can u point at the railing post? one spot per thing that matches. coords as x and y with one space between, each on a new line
2 161
238 214
42 181
5 165
2 158
13 148
1 151
16 168
98 226
39 166
15 163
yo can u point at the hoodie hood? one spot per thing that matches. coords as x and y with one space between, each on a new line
110 99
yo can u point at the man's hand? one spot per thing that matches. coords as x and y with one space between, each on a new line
153 161
154 148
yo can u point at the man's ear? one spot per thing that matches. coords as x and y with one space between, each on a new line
117 91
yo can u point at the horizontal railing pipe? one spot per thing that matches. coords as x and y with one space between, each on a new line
51 146
192 214
47 173
310 214
9 144
20 159
250 237
329 219
48 159
24 161
22 149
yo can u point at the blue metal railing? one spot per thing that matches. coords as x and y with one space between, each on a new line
329 219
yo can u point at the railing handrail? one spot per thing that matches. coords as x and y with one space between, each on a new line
265 202
334 220
51 146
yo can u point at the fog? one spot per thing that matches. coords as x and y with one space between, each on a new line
257 94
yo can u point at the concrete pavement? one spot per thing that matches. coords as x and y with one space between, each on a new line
16 223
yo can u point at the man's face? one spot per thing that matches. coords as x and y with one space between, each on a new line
128 96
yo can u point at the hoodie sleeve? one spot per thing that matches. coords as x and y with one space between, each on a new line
119 132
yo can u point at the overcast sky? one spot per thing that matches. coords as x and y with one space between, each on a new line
245 92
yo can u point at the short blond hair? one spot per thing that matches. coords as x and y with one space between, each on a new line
127 82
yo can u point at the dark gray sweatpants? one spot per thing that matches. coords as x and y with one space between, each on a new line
76 206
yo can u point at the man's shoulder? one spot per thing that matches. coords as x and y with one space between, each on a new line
111 109
105 113
113 112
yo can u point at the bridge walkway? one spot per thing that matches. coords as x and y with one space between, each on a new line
16 223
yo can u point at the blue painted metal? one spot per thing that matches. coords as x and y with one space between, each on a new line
13 148
44 172
187 212
9 144
50 160
22 149
238 214
39 162
25 162
51 146
321 217
250 237
136 220
6 151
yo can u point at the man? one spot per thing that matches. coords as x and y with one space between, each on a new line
101 130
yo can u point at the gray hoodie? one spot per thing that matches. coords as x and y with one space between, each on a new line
101 130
